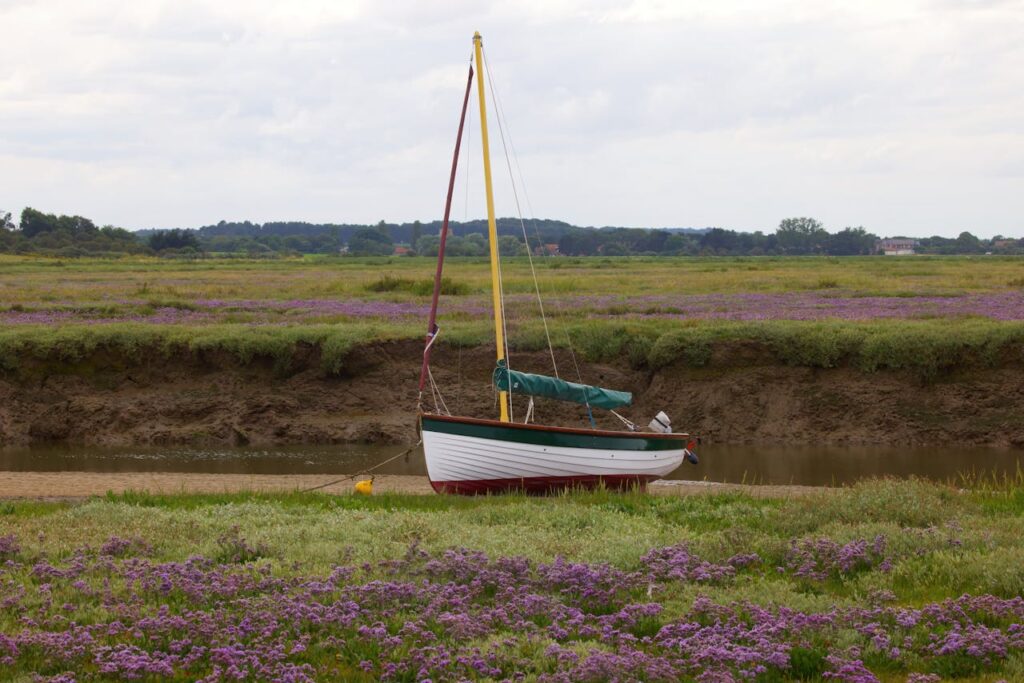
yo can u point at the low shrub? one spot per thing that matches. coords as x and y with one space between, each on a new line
389 283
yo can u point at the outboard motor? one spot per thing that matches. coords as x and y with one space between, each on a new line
661 424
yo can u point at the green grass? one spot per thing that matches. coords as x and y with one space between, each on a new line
942 541
946 541
32 279
925 348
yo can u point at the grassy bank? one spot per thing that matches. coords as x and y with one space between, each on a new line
886 580
924 314
926 348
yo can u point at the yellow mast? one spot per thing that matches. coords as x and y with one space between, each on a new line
492 227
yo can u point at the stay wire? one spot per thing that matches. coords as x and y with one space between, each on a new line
500 118
496 97
536 231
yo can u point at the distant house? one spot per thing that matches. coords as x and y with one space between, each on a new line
546 250
895 247
1004 244
401 251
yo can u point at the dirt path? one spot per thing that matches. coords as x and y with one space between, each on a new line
75 485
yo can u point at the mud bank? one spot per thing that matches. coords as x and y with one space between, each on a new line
743 395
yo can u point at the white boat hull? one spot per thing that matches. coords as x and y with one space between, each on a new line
527 457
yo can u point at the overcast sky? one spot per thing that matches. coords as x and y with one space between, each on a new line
906 117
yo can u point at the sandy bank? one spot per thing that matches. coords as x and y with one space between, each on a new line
75 485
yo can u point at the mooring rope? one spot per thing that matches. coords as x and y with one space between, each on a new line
362 472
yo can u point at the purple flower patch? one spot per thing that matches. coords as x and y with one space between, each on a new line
463 615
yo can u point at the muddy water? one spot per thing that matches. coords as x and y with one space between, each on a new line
801 465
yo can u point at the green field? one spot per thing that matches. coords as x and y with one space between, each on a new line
886 580
27 280
925 314
893 577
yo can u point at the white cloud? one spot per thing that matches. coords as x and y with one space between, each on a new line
902 116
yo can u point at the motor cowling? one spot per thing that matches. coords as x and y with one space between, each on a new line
661 423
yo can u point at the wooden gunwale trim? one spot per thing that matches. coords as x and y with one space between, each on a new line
654 436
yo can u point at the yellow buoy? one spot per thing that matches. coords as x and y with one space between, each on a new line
365 487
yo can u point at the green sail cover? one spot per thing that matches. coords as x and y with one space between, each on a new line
552 387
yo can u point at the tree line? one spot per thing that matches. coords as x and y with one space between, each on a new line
43 233
47 233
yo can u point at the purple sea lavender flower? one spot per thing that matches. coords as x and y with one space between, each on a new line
676 562
822 558
8 650
974 640
594 585
211 620
116 546
741 560
66 677
9 546
848 670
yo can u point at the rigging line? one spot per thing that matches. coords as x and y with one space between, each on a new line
433 392
458 387
437 389
519 170
504 319
500 111
565 331
529 205
515 158
499 117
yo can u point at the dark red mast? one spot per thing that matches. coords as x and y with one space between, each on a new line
432 323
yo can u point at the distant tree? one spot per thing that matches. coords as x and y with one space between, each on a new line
61 235
511 246
470 245
371 242
417 233
580 242
36 222
9 237
851 242
678 244
163 240
968 244
457 246
76 226
649 241
428 245
719 241
801 235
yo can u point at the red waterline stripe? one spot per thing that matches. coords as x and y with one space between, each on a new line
473 487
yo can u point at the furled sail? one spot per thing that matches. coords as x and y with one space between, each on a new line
552 387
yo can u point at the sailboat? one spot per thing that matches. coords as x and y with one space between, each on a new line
467 455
